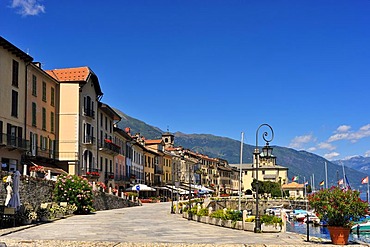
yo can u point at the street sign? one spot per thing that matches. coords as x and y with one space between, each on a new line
137 187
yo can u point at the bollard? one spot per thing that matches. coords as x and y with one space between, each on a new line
308 228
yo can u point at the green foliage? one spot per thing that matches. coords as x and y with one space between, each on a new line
75 191
233 215
219 214
203 212
338 207
268 187
271 220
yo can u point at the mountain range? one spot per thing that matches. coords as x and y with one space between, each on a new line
307 166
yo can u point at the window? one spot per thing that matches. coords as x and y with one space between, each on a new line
43 143
88 133
44 91
33 142
43 118
52 96
89 107
14 103
52 122
34 114
34 85
101 119
15 73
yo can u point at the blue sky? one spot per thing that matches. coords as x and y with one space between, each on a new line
216 67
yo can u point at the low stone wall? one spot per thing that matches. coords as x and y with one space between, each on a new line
35 191
238 225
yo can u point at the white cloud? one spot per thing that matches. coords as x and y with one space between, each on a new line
367 153
343 133
325 145
343 128
312 149
28 7
298 141
331 155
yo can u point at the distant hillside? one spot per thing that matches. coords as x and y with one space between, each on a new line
300 163
358 163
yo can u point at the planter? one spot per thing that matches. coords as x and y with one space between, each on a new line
226 223
26 221
204 219
249 226
270 228
339 235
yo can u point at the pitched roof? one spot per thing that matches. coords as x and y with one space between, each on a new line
293 185
79 74
159 141
15 50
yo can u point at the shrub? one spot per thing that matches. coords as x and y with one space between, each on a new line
271 220
203 212
74 190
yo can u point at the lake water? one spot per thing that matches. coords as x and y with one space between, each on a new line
321 231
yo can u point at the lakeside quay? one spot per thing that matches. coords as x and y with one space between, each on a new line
147 225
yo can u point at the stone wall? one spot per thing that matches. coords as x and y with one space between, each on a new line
35 191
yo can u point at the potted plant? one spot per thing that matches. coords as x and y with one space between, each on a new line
27 216
340 208
43 214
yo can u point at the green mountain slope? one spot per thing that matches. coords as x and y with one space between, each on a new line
300 163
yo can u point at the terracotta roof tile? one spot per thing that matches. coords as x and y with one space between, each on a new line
159 141
70 74
293 185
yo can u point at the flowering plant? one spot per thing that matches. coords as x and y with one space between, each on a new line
74 190
338 207
96 174
37 169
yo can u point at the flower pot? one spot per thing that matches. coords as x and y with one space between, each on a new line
26 221
339 235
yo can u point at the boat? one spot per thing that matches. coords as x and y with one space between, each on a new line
361 227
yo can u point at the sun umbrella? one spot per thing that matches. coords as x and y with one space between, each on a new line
140 187
15 202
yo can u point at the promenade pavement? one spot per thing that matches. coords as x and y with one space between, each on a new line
147 225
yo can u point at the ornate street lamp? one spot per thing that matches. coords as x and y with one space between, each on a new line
266 153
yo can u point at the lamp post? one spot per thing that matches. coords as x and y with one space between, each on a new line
189 212
266 151
173 182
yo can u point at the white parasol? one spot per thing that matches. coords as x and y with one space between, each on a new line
140 187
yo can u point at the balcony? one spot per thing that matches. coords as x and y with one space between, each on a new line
88 139
89 112
109 176
42 153
92 173
12 142
108 146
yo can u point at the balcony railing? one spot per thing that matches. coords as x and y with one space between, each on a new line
89 112
42 152
88 139
13 142
109 175
108 145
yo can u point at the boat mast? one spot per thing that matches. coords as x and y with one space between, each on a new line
240 171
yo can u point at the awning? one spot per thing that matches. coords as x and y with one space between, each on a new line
52 169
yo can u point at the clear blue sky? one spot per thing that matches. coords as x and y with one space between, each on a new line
216 67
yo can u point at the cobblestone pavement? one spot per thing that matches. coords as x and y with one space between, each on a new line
148 225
